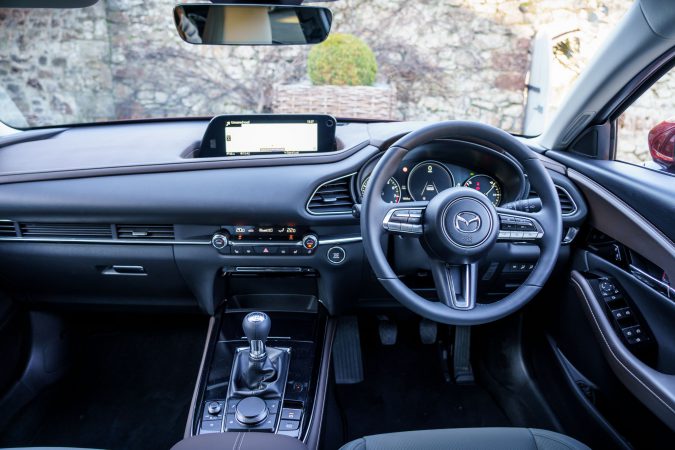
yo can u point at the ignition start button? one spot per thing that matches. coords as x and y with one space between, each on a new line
336 255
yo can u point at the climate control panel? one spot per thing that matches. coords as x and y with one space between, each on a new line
255 240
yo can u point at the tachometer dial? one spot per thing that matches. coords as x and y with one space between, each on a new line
427 179
391 193
487 186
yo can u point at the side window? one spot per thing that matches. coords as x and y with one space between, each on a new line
646 130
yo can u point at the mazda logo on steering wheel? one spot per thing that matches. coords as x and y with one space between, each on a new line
467 222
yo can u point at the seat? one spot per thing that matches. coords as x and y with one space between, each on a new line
468 438
240 441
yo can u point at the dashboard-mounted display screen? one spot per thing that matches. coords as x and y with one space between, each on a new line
268 134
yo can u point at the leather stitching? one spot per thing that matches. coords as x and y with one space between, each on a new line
581 291
236 439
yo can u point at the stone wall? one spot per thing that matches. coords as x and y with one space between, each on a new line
122 59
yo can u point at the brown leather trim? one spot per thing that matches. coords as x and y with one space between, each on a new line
611 215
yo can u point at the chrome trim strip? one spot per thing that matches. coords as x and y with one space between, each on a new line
102 241
268 243
639 274
317 190
344 240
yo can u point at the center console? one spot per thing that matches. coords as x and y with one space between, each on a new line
264 372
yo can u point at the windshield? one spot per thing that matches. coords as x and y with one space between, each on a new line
500 62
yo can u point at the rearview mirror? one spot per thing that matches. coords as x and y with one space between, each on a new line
661 140
252 24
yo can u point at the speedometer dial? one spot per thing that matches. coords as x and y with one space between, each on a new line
391 193
487 186
427 179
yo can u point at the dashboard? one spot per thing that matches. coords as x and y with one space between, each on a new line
134 216
432 168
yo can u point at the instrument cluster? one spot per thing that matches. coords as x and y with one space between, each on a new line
425 172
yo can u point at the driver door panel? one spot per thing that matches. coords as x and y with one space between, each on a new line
638 257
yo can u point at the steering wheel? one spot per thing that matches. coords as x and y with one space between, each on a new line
458 227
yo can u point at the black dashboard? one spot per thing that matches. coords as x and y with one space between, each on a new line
125 215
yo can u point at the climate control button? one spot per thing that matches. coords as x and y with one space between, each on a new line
310 242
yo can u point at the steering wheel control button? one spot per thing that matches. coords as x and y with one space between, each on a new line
404 220
336 255
251 411
519 228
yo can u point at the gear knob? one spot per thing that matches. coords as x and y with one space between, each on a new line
256 327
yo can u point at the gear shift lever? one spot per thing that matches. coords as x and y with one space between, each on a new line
259 371
256 327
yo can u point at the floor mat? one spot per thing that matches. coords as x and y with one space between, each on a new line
404 390
130 388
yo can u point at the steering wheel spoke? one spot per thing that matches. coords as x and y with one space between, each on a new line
518 226
456 284
405 220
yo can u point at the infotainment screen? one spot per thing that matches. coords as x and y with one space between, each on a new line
268 134
246 137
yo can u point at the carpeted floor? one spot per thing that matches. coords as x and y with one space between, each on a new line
130 387
404 390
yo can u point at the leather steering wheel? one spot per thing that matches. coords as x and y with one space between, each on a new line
458 227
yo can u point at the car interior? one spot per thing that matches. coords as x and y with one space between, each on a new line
310 281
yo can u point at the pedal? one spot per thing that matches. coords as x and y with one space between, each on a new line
461 367
388 331
347 359
428 331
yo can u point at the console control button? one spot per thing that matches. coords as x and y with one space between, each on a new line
214 408
272 406
289 425
232 406
251 411
211 426
268 424
291 414
336 255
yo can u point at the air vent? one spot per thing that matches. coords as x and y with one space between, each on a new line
7 228
567 205
333 197
146 232
65 230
